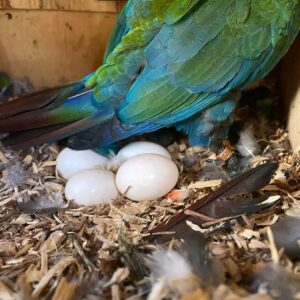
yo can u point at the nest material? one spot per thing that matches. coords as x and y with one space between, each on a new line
63 251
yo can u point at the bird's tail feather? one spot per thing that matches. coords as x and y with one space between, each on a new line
50 115
27 138
45 108
40 99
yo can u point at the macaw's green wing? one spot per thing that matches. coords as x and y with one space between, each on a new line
139 23
217 47
189 58
120 29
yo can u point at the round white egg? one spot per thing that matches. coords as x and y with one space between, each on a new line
91 187
147 177
70 162
138 148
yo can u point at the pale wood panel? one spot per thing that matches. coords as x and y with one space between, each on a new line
290 87
52 47
64 5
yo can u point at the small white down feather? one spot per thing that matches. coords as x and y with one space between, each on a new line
169 265
172 275
247 145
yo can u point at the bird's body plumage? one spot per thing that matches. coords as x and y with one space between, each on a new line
169 62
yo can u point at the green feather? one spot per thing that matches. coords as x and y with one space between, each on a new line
178 9
248 34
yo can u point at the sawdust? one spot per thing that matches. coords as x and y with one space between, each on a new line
72 252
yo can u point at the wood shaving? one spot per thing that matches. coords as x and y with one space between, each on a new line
78 248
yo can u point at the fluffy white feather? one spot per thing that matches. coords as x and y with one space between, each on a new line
14 175
114 162
247 145
169 265
173 275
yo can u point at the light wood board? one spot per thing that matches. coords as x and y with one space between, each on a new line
290 89
64 5
52 47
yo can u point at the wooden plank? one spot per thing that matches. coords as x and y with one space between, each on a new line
52 47
290 88
64 5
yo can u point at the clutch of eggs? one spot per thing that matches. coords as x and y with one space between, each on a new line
146 172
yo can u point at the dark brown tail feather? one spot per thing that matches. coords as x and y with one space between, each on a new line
51 98
33 111
28 138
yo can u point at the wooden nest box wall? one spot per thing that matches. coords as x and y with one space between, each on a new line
52 42
290 91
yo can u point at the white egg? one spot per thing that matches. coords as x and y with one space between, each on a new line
147 177
70 162
92 187
138 148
